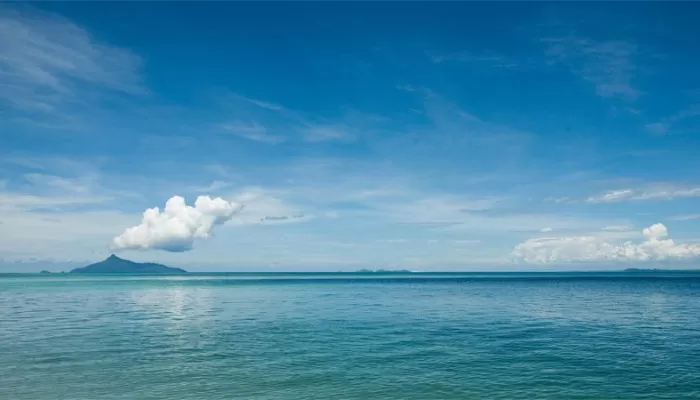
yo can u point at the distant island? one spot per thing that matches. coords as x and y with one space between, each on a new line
658 271
384 271
116 265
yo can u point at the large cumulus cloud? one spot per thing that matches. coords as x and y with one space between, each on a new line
655 247
178 225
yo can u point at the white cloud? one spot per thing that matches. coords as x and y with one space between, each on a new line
46 58
74 217
655 231
661 193
178 225
654 247
546 230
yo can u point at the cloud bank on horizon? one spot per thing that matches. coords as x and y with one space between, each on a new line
177 226
655 247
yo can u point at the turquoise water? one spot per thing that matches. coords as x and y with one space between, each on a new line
542 336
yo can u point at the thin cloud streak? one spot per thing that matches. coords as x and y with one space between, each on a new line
47 61
622 195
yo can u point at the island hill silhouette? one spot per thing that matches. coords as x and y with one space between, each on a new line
116 265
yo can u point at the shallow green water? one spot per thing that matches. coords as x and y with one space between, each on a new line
350 337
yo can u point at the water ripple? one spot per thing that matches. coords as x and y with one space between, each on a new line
350 339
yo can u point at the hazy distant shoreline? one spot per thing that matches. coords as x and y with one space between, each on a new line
630 272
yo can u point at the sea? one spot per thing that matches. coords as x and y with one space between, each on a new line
350 336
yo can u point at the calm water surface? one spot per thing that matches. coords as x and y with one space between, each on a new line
305 337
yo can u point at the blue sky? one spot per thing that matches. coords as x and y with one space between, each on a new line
454 136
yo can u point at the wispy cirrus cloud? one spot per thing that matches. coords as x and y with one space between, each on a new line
451 130
14 202
253 131
262 207
609 65
47 61
57 206
266 122
688 217
641 194
673 122
41 193
377 194
632 192
473 215
263 104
